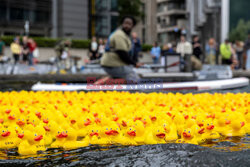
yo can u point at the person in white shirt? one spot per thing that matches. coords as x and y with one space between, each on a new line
185 48
93 49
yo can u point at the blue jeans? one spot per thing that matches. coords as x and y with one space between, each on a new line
30 59
124 72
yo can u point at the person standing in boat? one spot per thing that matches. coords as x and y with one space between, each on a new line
116 61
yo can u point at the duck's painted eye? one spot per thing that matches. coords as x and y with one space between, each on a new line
58 132
107 128
184 130
130 129
35 134
207 124
158 130
3 131
188 131
134 130
66 131
96 130
92 130
18 119
23 120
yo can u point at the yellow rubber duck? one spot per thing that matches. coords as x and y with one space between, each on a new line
187 136
171 132
156 136
71 140
8 139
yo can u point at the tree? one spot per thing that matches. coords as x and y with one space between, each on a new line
240 32
131 8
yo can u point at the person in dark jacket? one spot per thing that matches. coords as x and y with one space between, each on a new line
136 47
197 51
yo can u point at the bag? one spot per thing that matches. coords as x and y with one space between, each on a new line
36 53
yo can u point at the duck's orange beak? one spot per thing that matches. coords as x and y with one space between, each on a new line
45 121
46 128
7 111
186 135
87 123
153 118
97 120
94 134
6 134
131 133
64 134
20 135
11 117
116 119
95 114
109 132
38 138
161 135
201 131
210 127
186 117
73 121
242 124
38 114
20 123
227 122
1 121
124 124
200 124
115 132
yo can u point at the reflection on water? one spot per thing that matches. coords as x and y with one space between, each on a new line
113 155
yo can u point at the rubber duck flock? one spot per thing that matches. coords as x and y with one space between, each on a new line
35 121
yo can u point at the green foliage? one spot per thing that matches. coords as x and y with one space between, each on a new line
240 32
131 8
50 42
146 47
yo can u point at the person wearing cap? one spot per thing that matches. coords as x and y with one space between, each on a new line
16 49
117 62
226 52
247 52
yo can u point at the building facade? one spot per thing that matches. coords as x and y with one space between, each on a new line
70 19
171 19
103 17
146 28
14 14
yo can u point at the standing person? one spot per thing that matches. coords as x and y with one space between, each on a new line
93 49
226 52
155 53
136 47
101 48
16 49
185 48
63 53
32 46
239 48
25 49
117 61
197 51
2 47
211 49
247 52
